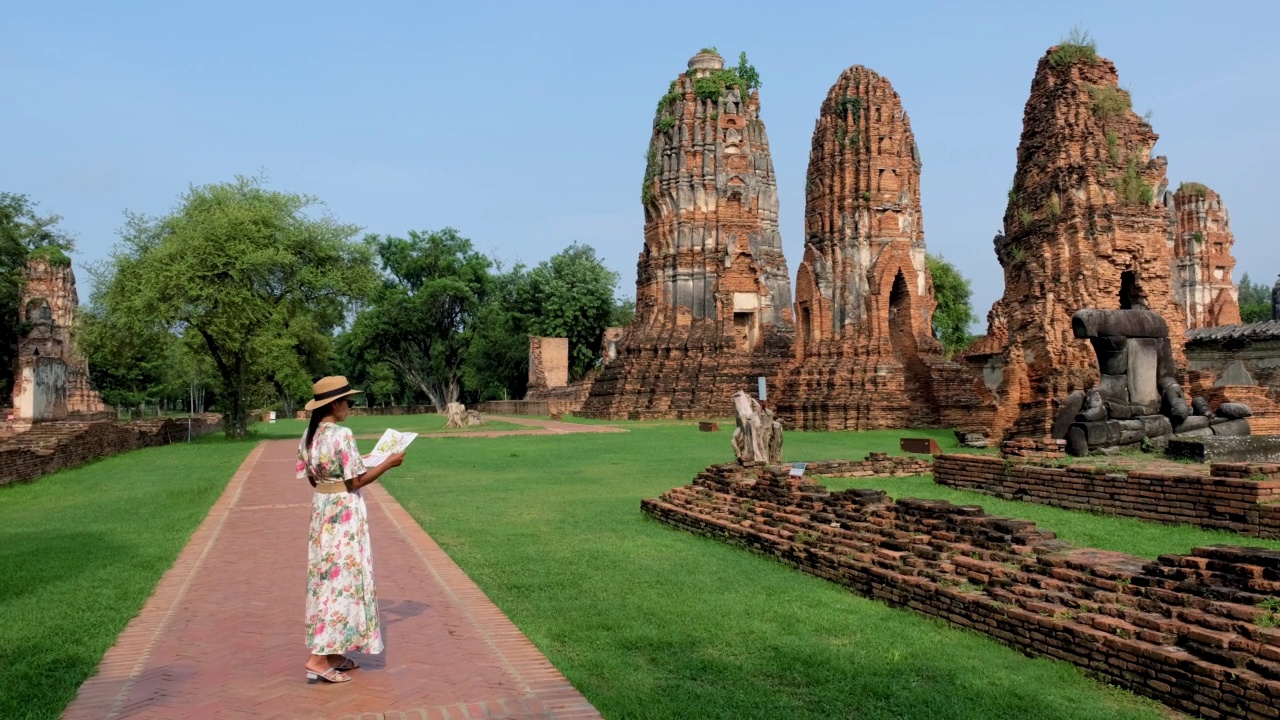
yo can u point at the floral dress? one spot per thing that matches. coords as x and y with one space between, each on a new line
342 607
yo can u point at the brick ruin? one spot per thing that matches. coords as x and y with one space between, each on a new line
51 380
548 362
1083 229
1197 632
58 445
1088 224
1202 260
713 294
864 299
1236 497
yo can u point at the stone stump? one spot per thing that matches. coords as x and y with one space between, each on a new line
758 437
456 414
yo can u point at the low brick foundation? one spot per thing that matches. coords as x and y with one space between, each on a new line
517 407
52 446
1197 632
1031 448
1240 497
876 465
566 399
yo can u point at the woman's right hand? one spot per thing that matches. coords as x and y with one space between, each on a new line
394 460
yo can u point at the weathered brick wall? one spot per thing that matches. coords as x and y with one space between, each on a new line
1240 497
1239 364
1203 263
567 399
864 297
1190 631
50 302
1072 240
49 447
713 295
548 362
517 407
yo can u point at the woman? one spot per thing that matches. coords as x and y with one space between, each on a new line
342 607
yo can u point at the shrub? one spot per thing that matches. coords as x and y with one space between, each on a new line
51 254
1054 207
850 107
748 73
713 85
651 170
673 94
1131 188
1193 188
1108 101
1113 147
1077 46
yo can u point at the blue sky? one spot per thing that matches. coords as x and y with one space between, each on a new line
525 126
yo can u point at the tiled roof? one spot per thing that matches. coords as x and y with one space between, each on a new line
1253 332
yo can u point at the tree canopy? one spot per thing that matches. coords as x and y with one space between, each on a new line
1255 301
571 296
954 314
247 275
420 319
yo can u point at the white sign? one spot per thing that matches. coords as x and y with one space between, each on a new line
764 391
797 469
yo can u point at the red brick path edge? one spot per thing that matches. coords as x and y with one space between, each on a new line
222 634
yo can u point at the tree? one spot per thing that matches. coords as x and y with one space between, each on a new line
748 73
624 312
571 296
22 231
1255 301
129 368
954 314
233 265
497 363
357 356
420 321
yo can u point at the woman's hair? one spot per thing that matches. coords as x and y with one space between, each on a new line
316 416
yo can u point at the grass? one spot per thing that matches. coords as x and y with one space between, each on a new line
1079 528
652 622
81 550
646 620
363 425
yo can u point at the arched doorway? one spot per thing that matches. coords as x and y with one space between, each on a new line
917 382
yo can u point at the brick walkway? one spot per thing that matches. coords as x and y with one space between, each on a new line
222 635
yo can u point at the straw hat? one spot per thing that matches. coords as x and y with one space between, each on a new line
328 389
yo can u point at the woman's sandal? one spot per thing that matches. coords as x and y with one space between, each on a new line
348 665
332 675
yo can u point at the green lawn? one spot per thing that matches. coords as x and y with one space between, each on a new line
81 550
652 622
646 620
365 425
1079 528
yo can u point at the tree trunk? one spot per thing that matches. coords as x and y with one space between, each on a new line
457 415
